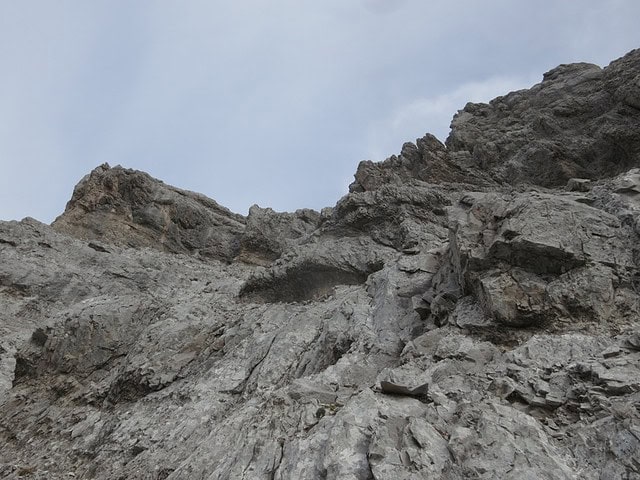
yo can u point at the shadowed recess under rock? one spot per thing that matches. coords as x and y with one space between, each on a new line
307 281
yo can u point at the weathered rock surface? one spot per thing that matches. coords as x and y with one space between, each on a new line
268 234
427 160
582 121
538 258
130 208
443 320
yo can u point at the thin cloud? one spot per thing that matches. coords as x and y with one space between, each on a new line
384 6
246 101
433 114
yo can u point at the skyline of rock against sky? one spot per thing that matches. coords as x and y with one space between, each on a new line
246 101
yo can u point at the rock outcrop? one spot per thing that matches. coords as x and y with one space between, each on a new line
131 209
581 121
466 311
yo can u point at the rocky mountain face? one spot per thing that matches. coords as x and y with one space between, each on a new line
130 209
468 310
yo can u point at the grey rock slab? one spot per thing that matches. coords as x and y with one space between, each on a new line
579 185
502 442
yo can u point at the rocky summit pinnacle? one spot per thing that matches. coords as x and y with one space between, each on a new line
468 310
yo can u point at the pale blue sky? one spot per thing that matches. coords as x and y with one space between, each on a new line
271 102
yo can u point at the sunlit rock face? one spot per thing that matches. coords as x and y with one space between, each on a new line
468 310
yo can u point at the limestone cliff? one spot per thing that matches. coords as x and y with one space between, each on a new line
468 310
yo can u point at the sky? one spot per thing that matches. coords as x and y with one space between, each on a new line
268 102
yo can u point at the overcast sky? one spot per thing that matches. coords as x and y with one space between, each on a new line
271 102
